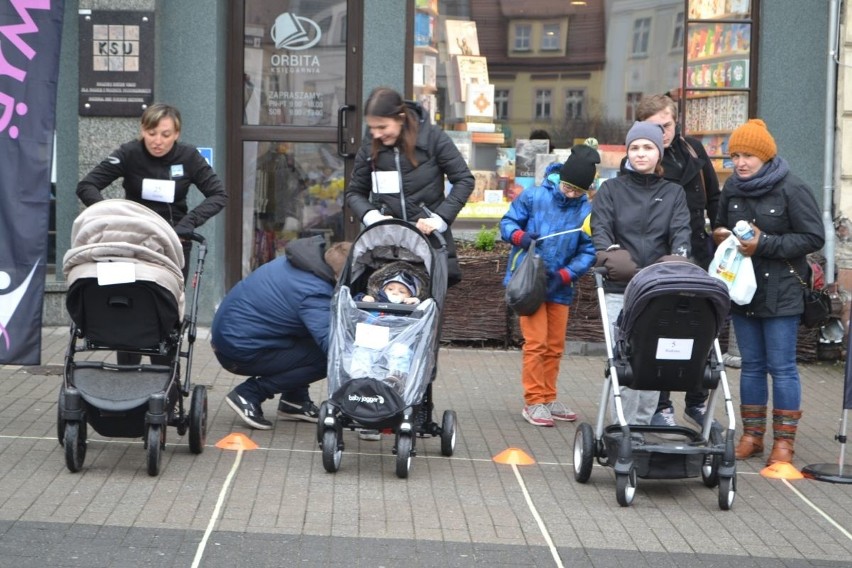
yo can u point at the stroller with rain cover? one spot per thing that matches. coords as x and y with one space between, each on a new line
374 396
126 293
666 339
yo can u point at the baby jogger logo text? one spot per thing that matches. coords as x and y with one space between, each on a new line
367 399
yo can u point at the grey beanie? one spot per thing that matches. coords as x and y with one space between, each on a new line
647 131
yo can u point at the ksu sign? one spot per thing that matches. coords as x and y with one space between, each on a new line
116 63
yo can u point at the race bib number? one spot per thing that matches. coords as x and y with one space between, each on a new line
386 182
162 190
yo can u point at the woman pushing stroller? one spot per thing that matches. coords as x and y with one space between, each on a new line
638 219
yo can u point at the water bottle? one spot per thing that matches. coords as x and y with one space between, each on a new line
399 360
743 230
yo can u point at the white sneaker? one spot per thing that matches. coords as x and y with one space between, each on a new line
559 411
537 415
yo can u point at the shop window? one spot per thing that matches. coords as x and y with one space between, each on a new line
501 104
575 102
551 37
641 31
523 35
543 104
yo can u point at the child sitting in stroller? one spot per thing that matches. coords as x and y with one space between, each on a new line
396 283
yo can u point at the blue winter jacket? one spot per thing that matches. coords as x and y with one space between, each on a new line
283 300
545 210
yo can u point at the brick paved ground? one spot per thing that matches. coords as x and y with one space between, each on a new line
278 507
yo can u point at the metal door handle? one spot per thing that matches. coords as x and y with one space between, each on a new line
341 131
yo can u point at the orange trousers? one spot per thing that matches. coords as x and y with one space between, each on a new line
544 343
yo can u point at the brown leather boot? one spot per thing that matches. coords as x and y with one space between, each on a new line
784 426
754 427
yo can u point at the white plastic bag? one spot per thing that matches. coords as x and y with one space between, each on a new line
734 269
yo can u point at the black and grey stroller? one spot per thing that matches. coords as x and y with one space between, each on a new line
375 394
666 339
126 294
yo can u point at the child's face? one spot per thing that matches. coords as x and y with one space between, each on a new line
396 292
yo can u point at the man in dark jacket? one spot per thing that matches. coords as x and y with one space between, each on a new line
686 163
273 327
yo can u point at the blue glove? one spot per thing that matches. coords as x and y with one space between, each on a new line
523 239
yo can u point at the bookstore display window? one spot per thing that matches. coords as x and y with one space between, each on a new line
718 78
291 190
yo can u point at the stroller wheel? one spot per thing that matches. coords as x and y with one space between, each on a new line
584 453
321 414
154 442
75 445
332 453
625 487
710 467
403 455
60 421
727 492
448 433
198 419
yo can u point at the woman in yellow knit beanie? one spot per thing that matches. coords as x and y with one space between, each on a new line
787 225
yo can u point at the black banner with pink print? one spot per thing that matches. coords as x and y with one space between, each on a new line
30 37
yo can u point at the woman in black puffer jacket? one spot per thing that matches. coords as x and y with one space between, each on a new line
787 226
399 171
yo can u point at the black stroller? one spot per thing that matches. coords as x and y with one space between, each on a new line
126 293
372 395
666 339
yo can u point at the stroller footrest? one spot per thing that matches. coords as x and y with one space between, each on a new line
115 390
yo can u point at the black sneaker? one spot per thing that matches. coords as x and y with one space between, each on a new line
306 411
248 411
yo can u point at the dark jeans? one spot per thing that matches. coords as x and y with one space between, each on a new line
695 398
288 371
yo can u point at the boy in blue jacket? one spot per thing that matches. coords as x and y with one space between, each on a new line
559 204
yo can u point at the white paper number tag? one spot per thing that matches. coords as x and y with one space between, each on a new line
386 182
674 349
162 190
116 273
372 336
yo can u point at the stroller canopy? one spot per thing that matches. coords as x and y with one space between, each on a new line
396 240
671 278
118 230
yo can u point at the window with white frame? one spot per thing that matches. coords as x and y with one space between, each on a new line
501 104
575 103
641 31
632 102
523 36
550 37
543 104
677 38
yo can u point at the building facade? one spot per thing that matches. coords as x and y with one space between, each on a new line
281 125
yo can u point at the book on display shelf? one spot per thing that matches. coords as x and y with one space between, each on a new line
489 127
461 37
505 165
479 106
525 152
465 70
463 141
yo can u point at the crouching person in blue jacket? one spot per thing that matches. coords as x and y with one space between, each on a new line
273 327
557 207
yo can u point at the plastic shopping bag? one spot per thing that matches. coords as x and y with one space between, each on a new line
734 269
527 288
